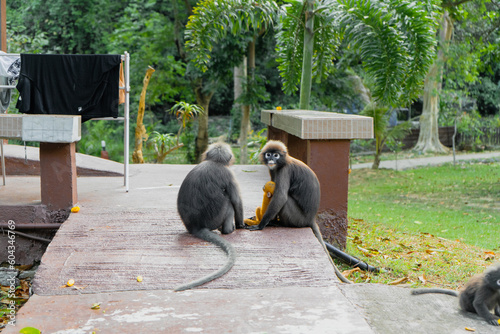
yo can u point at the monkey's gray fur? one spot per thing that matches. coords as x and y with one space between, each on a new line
209 199
296 197
480 295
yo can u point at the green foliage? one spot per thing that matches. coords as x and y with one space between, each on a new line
185 113
148 35
473 57
163 144
93 132
383 133
477 132
290 39
256 142
254 91
212 20
68 26
188 139
395 39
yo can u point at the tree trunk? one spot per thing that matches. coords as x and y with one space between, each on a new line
202 99
306 79
428 139
245 117
140 130
378 151
376 161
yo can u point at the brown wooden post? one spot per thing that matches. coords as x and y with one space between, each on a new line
3 25
58 175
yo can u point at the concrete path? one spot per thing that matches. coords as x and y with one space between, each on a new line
429 161
282 281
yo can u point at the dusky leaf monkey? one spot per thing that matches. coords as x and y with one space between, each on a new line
296 197
480 295
209 198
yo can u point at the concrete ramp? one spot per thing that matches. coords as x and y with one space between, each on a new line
26 161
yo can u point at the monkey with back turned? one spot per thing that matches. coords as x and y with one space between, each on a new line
209 199
480 295
296 197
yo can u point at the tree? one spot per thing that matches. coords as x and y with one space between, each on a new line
395 39
209 25
185 113
383 133
458 59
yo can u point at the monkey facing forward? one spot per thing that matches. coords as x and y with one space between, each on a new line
296 197
209 199
480 295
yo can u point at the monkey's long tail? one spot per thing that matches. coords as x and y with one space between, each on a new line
318 235
434 290
206 235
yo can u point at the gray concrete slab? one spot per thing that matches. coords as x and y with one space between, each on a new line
285 310
106 251
391 309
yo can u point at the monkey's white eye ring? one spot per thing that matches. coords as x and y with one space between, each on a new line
267 155
276 155
498 282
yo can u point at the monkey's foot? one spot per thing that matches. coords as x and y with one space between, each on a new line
251 221
494 322
254 228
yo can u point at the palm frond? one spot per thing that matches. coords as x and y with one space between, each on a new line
289 45
395 39
212 20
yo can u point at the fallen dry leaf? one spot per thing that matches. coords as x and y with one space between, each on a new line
399 281
365 252
74 287
422 279
489 256
347 273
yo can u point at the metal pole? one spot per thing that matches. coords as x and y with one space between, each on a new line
3 44
127 120
3 161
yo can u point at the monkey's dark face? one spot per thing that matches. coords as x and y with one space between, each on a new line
492 277
273 159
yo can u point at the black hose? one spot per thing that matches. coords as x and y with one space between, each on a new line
32 226
33 237
350 260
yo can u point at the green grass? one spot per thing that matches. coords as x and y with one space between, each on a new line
456 203
434 226
412 258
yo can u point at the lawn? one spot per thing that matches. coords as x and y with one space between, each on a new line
428 226
461 202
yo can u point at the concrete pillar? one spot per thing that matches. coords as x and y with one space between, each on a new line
329 159
58 175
